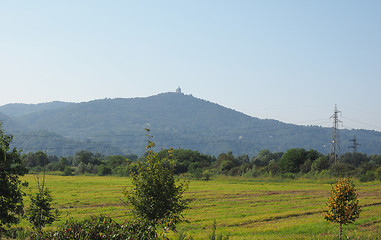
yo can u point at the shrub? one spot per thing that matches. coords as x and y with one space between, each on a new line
155 198
68 171
206 175
368 176
104 170
340 169
378 173
41 212
343 205
320 164
98 228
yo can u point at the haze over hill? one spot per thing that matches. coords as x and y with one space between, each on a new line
116 126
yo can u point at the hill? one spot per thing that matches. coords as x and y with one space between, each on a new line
176 120
21 109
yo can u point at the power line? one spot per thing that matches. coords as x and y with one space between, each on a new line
367 124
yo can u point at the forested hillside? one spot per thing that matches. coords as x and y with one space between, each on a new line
115 126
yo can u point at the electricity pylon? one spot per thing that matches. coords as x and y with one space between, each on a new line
335 142
355 144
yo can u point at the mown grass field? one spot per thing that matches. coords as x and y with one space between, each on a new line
243 208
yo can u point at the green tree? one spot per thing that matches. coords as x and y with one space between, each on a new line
155 197
341 169
115 161
262 159
225 162
320 164
41 211
35 159
354 159
68 171
343 205
103 170
11 196
187 160
86 158
293 160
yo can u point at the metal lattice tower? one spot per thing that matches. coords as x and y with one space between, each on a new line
355 144
335 142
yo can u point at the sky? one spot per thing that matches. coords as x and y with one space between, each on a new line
273 59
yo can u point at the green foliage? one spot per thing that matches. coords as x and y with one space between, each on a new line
99 228
104 170
38 158
226 162
264 157
192 164
294 158
343 205
368 176
353 159
58 165
86 168
68 171
11 196
320 164
341 169
378 173
291 160
155 197
187 160
375 158
86 157
41 212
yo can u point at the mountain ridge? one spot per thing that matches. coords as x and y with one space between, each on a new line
176 120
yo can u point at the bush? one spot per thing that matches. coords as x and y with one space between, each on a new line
41 212
254 172
68 171
103 170
97 228
378 173
342 170
122 171
324 174
196 173
206 175
320 164
368 176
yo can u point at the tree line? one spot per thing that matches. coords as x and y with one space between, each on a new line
189 163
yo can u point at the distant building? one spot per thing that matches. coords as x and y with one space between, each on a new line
178 90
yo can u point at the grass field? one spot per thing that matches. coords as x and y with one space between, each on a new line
243 208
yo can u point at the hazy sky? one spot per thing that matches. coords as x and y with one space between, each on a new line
286 60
